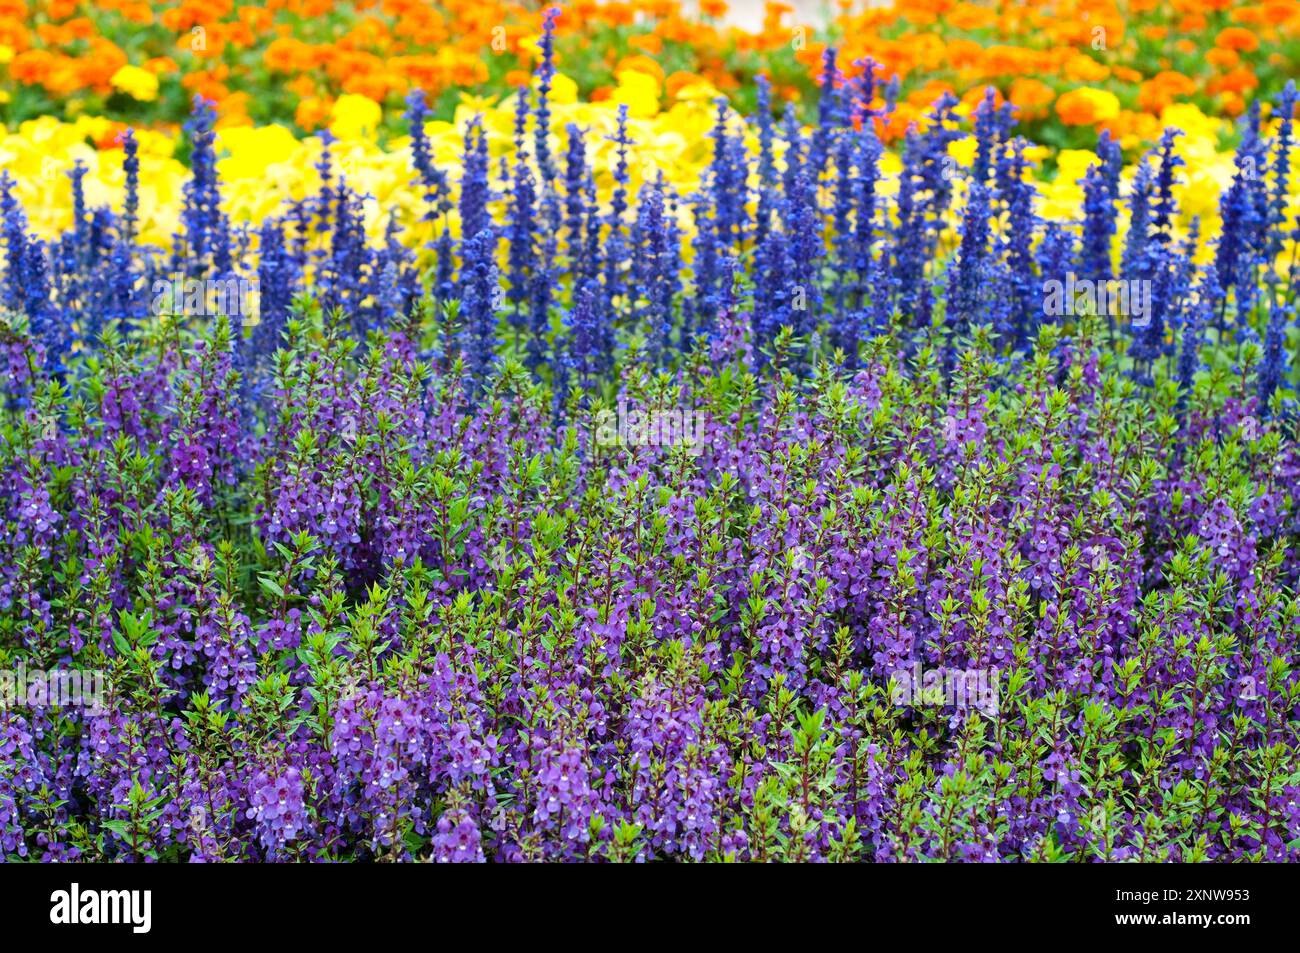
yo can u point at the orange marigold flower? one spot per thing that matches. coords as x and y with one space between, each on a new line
233 111
1237 38
287 55
675 82
1163 89
1223 59
31 66
65 78
896 127
1252 14
1087 106
13 35
301 86
967 16
98 66
1084 69
1240 80
312 113
642 64
1031 97
677 30
618 14
1278 12
964 54
208 83
239 35
136 12
649 43
1232 104
974 96
255 18
192 13
924 96
659 9
374 86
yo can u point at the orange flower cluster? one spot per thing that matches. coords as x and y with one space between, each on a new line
36 56
1066 64
291 59
1133 58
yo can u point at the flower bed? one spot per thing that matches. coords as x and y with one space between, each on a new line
594 481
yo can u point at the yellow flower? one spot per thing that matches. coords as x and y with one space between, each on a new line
962 151
95 128
639 92
155 143
1061 197
355 117
249 150
1073 164
139 84
1036 154
564 91
1194 123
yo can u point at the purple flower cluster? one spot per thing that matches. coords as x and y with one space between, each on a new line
528 645
276 808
